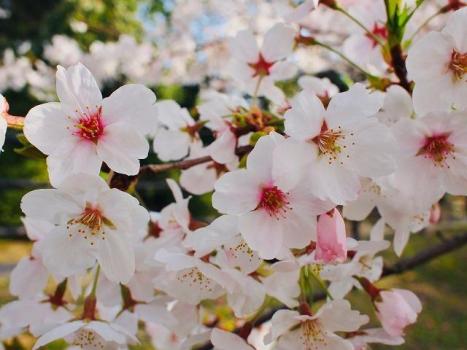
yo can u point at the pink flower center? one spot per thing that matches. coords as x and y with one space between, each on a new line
437 148
380 31
274 201
458 64
90 126
261 67
327 141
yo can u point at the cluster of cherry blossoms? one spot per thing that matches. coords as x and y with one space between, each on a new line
285 170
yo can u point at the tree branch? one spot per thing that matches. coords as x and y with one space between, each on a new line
187 163
403 265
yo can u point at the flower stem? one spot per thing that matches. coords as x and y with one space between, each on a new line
425 23
344 57
361 25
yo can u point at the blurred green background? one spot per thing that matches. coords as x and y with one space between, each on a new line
441 284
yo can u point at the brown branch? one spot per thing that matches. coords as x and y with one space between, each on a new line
398 63
403 265
187 163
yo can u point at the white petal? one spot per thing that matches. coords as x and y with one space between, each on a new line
72 157
28 278
236 192
278 43
65 256
244 47
337 316
171 144
133 104
77 90
58 333
304 120
355 104
121 148
45 126
116 256
282 321
223 340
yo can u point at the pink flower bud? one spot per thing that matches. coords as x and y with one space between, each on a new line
397 309
331 240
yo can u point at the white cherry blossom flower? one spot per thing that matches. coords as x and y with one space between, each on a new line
275 213
316 331
258 68
437 63
223 340
91 222
343 142
84 130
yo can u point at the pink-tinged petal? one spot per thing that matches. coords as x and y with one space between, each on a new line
305 119
223 340
133 104
236 192
171 144
278 43
78 90
116 256
72 156
28 278
121 147
262 233
65 256
396 310
58 333
244 47
46 125
331 239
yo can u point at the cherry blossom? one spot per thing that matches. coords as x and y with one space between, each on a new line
331 237
257 68
344 141
274 213
316 331
84 130
397 309
437 63
90 221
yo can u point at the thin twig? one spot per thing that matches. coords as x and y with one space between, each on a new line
187 163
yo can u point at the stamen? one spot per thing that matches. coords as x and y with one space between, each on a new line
90 126
274 201
458 64
327 141
437 148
